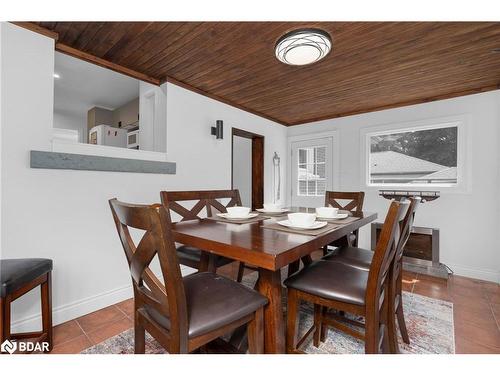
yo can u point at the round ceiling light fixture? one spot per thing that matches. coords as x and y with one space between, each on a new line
303 46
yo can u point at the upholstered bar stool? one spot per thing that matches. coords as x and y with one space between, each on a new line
18 277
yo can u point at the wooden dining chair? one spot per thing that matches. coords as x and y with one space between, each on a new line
18 277
207 201
345 288
362 258
181 313
346 201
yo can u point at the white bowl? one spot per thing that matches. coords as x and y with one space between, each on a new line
302 219
272 207
238 212
327 211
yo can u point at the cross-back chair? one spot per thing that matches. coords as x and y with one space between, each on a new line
345 288
182 314
362 259
208 201
354 204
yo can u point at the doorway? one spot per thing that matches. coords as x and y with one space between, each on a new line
247 167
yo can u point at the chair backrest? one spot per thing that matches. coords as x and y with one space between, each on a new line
355 200
406 225
167 297
205 199
384 253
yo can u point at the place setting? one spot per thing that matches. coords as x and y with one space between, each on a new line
272 209
302 223
238 215
334 215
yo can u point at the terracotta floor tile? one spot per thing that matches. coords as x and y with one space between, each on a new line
73 346
475 334
465 346
66 331
434 280
99 318
465 281
480 318
496 311
126 306
493 297
477 301
431 289
109 330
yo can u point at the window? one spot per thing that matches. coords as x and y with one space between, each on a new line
311 171
422 156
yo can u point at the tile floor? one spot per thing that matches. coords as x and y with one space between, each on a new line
476 315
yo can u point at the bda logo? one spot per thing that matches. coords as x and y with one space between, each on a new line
8 346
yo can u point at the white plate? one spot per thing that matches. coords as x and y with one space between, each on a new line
226 216
338 216
280 211
316 224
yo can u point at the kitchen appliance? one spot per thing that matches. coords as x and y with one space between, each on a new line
108 136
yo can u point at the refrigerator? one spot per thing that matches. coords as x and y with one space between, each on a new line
108 136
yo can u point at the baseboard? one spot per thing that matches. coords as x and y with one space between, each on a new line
81 307
474 273
75 309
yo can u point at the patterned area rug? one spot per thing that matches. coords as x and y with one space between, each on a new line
429 322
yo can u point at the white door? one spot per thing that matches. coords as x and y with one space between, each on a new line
312 169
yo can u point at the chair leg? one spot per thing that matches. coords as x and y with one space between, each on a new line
325 250
292 321
318 324
324 327
4 318
46 292
241 270
139 336
255 330
401 322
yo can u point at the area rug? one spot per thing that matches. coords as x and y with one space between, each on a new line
429 322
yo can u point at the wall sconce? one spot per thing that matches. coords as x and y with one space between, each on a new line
218 130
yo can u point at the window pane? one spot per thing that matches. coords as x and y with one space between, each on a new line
302 188
302 155
320 154
311 188
414 157
320 170
321 187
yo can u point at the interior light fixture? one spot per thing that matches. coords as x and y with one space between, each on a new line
56 76
303 46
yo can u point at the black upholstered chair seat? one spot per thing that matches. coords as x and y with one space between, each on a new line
191 256
331 280
213 301
15 273
353 256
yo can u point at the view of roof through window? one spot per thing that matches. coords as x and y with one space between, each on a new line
414 157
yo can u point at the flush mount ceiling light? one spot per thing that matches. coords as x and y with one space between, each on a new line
303 46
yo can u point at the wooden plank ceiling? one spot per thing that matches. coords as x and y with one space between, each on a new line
372 66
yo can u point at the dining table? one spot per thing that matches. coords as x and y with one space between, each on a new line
269 251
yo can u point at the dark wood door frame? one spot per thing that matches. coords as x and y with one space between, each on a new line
257 165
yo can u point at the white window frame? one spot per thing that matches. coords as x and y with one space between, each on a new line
334 134
463 154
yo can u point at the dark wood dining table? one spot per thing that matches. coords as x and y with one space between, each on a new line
267 249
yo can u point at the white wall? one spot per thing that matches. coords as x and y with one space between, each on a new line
64 214
468 222
66 121
242 169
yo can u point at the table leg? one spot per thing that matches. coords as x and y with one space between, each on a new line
207 262
269 285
